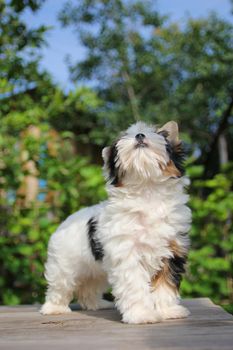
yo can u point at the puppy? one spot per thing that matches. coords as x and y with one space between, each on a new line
136 241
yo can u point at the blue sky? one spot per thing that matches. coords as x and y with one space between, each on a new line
62 41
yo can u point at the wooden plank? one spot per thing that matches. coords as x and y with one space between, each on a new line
208 327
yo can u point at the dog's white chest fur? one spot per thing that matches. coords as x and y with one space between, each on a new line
145 223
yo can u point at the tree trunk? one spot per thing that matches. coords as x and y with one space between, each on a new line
223 124
132 96
29 189
222 149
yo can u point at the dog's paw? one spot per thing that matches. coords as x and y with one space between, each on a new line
52 309
140 316
175 311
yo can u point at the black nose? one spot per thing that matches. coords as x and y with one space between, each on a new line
140 137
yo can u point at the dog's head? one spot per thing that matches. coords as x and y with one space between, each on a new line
144 153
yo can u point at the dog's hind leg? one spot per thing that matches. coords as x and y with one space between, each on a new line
59 292
89 292
57 302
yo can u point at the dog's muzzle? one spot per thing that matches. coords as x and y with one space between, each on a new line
140 140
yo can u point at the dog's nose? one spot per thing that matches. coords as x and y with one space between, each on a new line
140 137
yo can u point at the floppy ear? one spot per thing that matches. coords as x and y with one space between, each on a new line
106 153
171 128
112 171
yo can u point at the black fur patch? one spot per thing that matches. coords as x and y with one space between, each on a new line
176 268
96 247
177 155
112 165
176 152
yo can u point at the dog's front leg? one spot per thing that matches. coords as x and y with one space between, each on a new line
165 289
131 288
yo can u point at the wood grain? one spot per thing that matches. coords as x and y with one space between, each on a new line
22 327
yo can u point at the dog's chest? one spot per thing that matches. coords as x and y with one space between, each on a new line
148 213
144 225
153 226
148 243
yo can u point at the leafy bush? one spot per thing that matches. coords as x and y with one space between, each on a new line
210 267
74 183
181 72
67 183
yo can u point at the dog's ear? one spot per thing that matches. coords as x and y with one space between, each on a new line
111 164
106 153
175 150
172 130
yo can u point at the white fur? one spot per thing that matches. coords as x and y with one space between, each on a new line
134 227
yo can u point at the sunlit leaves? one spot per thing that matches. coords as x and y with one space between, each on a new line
210 263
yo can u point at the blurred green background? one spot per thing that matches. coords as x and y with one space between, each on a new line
137 65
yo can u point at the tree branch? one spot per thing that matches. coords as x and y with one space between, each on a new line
221 128
132 96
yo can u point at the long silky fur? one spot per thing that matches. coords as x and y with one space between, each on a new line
136 241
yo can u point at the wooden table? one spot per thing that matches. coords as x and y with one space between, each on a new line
22 327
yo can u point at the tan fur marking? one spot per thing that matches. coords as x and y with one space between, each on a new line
177 249
163 277
171 170
178 147
119 184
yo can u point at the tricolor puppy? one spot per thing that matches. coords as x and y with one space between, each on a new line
136 241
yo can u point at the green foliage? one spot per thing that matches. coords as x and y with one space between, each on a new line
210 264
141 66
79 112
42 179
18 45
67 183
